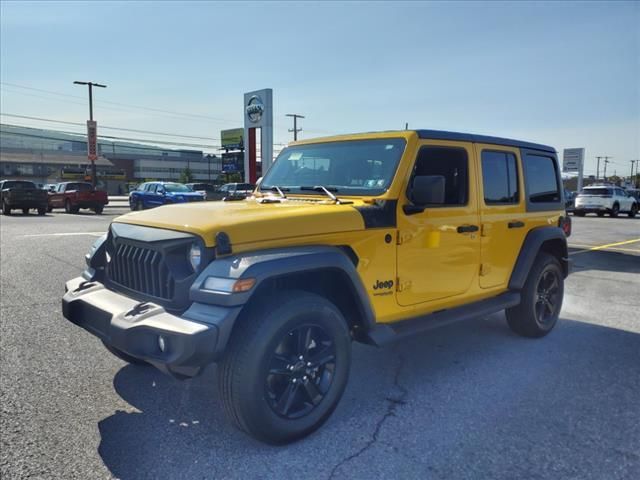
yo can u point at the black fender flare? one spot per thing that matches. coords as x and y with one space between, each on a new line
531 246
270 263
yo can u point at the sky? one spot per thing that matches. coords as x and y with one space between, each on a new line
565 74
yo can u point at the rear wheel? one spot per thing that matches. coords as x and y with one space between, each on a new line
541 299
98 210
124 356
633 211
49 209
614 211
67 206
42 210
600 214
286 367
6 209
578 213
25 211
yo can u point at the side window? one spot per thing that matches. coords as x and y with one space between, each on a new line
499 178
450 163
542 179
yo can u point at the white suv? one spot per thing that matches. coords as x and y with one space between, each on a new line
603 199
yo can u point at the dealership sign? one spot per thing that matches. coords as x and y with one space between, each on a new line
572 160
255 109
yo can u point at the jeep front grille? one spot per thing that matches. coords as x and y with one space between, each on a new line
141 269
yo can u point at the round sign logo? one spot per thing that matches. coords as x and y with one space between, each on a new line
255 109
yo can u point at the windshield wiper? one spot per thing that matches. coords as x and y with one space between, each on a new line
326 190
278 189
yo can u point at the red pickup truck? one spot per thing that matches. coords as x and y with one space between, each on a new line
72 196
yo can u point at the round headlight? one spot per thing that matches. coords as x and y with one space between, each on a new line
195 256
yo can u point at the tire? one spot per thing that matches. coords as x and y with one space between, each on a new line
6 209
139 205
42 210
124 356
528 319
600 214
67 206
614 211
578 213
263 382
633 211
49 209
98 210
25 211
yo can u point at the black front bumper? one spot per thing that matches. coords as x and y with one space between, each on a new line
192 340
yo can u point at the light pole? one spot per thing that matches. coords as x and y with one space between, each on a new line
92 158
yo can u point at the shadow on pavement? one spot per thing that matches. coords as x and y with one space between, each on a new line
181 432
613 261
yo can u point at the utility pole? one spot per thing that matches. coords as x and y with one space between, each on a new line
632 179
598 169
606 161
295 129
89 126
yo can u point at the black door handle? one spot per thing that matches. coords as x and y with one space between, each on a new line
467 228
516 224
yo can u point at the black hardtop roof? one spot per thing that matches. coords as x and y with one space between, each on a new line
470 137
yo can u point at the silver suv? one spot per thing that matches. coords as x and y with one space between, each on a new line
601 199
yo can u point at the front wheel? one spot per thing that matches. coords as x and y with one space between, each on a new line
42 210
6 209
98 210
541 299
286 367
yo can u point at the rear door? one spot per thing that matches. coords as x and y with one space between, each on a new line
502 212
439 248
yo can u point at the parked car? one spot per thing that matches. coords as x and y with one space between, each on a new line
602 199
569 200
206 189
635 193
155 194
72 196
50 187
235 190
415 230
22 195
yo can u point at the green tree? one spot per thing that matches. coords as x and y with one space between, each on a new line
186 176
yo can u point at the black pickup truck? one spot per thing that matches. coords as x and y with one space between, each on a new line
22 195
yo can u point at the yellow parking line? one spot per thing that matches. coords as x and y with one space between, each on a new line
589 248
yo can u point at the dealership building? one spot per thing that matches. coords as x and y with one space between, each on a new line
49 156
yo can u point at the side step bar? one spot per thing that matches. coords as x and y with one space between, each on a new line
383 334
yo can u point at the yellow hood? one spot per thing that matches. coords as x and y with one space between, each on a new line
250 221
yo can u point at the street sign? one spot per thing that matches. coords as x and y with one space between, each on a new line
573 159
92 140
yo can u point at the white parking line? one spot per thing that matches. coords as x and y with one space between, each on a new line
67 234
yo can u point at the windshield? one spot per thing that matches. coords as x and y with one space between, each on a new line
176 188
596 191
19 185
358 167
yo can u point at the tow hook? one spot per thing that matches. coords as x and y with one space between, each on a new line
139 309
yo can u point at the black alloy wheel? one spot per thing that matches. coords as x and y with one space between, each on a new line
547 296
301 371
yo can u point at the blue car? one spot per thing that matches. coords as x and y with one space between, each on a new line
155 194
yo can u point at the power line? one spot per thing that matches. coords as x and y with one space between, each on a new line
176 135
158 110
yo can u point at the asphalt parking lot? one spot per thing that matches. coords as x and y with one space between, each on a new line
468 401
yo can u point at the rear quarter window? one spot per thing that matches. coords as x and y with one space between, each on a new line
542 182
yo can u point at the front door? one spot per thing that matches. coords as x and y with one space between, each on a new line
439 248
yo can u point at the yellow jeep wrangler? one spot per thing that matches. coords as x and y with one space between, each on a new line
367 237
